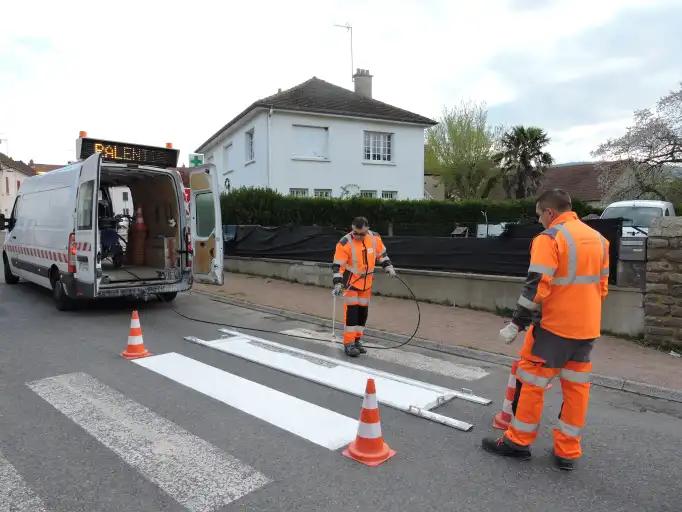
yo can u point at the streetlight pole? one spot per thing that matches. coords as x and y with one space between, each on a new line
349 28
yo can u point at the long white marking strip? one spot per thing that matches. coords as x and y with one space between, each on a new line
192 471
309 421
404 358
393 390
15 495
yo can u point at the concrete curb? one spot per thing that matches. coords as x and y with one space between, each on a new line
605 381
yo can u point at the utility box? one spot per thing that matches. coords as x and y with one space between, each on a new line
632 262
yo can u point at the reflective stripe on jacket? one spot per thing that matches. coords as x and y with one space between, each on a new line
355 260
567 280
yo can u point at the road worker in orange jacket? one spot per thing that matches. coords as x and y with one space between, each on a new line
561 306
355 259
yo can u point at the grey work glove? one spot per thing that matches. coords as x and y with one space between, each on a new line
509 333
391 271
338 289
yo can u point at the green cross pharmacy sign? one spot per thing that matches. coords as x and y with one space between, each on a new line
196 159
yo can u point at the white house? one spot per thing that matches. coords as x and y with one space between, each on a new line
12 175
318 139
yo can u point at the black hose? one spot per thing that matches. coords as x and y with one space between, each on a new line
374 347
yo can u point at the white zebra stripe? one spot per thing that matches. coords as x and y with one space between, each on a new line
15 495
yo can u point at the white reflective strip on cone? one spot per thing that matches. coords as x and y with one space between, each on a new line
369 430
135 340
370 402
134 323
511 383
507 407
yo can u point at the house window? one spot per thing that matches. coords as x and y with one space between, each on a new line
311 142
298 192
371 194
323 192
389 194
125 197
227 157
378 147
18 185
250 155
6 185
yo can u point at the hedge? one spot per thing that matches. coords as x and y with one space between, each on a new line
252 206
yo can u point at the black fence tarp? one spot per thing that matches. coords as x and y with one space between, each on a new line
504 255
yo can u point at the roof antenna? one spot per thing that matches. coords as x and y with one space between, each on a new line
349 28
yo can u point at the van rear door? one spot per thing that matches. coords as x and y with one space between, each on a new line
86 226
207 232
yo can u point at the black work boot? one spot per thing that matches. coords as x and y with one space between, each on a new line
564 464
351 350
360 347
506 448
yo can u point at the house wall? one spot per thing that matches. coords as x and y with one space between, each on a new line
343 166
8 180
244 173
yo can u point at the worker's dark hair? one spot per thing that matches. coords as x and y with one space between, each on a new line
557 199
360 222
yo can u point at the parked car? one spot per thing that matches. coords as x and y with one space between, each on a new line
638 215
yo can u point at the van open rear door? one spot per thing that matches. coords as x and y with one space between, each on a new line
84 242
207 232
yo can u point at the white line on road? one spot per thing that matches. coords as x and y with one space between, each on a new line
309 421
404 358
15 495
195 473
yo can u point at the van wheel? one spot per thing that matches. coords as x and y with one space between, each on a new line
9 277
168 297
61 300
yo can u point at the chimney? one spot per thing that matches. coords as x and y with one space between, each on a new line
363 82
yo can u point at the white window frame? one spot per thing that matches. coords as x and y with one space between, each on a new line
229 166
378 147
298 192
325 193
368 194
385 194
250 146
312 158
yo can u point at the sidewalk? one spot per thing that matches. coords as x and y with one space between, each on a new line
613 357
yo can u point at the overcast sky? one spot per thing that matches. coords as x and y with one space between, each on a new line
152 72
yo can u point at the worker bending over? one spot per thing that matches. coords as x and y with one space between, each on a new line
562 299
355 258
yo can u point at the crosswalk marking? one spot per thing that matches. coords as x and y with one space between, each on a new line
309 421
403 358
15 495
195 473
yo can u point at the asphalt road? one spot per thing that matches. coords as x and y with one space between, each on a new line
82 429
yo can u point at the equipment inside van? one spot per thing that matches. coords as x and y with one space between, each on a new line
116 224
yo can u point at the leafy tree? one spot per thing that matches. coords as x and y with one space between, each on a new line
642 162
523 160
460 150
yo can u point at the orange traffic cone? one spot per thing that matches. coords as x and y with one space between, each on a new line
369 447
135 348
503 418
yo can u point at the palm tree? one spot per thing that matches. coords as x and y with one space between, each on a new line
523 160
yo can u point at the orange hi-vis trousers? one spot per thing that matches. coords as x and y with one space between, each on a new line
356 310
568 359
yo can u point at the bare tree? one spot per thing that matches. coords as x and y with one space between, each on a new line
641 163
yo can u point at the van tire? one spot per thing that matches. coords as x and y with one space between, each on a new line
61 300
9 277
168 297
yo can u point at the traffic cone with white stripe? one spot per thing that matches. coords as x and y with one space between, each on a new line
503 418
369 447
135 348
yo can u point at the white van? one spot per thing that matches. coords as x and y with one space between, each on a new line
638 215
64 234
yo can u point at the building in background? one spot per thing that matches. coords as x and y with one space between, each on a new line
12 175
318 139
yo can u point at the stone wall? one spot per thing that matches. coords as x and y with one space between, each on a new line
663 299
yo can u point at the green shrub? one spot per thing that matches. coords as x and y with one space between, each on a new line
269 208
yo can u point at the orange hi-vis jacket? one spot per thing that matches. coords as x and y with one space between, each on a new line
355 260
567 280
